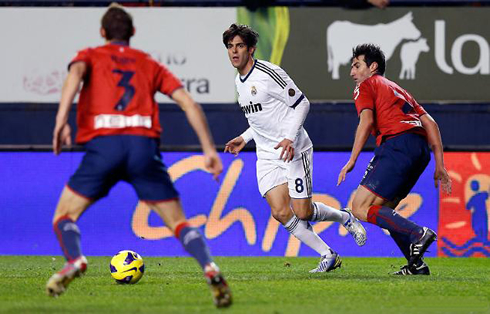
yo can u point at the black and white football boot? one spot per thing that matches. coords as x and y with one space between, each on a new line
418 248
421 269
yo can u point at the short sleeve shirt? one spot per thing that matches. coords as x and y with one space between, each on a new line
118 92
395 110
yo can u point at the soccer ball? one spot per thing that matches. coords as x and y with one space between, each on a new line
127 267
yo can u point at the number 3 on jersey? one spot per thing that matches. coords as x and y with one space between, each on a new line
128 89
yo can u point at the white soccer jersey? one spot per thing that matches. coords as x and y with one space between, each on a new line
268 98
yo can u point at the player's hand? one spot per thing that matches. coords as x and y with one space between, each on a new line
287 150
441 175
213 164
61 136
345 170
235 145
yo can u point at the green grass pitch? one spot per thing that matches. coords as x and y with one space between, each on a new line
274 285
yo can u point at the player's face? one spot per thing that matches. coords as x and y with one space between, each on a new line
359 70
240 55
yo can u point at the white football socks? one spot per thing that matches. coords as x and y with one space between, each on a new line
322 212
303 231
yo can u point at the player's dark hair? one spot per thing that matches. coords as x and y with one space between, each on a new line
117 23
372 53
247 34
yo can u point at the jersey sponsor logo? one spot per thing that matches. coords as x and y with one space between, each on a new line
415 123
253 91
118 121
252 108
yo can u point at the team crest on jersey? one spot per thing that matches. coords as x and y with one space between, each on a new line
253 91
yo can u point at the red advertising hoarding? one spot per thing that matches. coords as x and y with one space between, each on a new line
464 215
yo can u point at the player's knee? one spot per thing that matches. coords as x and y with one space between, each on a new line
66 211
281 215
71 205
60 215
303 216
303 213
303 209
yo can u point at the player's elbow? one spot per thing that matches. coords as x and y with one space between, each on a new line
191 106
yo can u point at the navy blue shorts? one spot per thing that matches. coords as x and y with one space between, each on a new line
134 159
396 166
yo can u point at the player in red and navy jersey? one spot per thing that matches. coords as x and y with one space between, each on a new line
403 131
118 97
118 124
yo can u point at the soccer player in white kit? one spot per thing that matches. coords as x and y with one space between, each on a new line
276 109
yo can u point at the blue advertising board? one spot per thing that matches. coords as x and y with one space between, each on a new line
231 213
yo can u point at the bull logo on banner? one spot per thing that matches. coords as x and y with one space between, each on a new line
464 215
342 36
387 36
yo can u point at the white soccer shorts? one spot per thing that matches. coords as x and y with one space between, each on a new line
296 173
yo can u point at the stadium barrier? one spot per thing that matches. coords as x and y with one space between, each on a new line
231 213
331 126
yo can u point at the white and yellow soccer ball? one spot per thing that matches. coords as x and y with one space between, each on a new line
127 267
